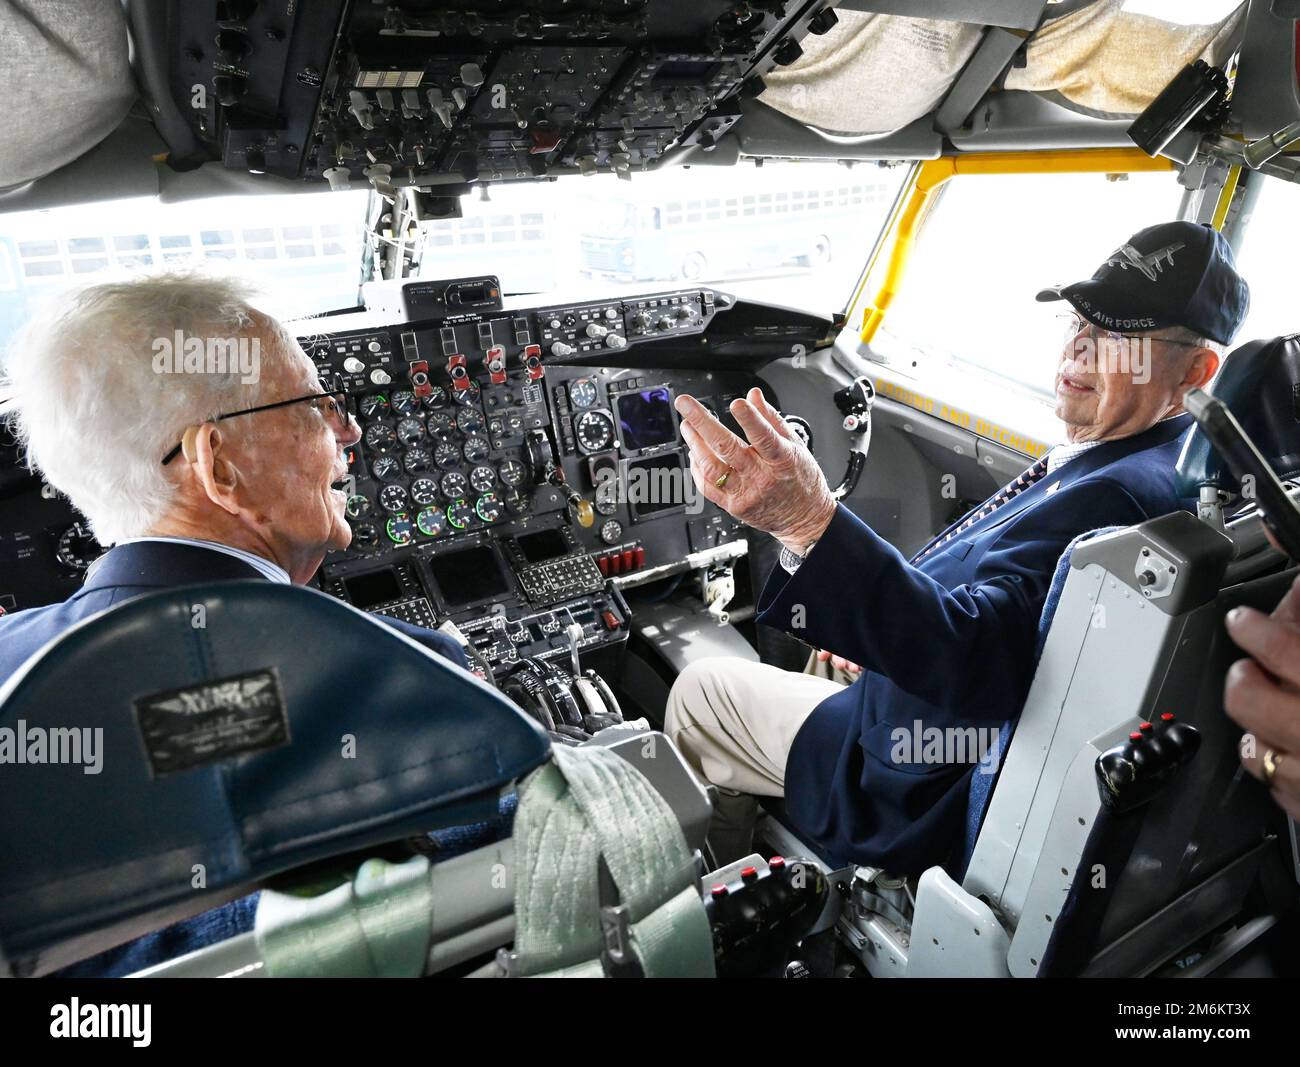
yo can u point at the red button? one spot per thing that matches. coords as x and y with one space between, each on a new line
629 559
1168 716
719 891
615 563
640 555
749 874
776 862
1146 726
610 620
603 563
1135 736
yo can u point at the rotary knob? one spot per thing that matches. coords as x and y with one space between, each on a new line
596 330
560 350
615 341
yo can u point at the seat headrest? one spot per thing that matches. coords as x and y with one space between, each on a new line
214 735
1260 384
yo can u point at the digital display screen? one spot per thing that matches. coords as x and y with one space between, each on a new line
367 590
542 545
656 484
693 71
468 576
646 418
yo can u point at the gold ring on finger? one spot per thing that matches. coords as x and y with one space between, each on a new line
1270 762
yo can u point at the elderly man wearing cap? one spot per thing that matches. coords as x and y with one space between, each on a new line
946 640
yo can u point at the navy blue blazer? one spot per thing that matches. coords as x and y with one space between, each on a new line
949 642
132 570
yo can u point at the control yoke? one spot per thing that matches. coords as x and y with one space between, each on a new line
854 402
1244 460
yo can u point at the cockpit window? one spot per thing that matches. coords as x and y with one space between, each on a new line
989 245
1266 257
788 233
304 252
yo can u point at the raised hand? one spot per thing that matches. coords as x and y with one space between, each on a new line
770 482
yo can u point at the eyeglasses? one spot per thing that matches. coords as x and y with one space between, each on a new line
336 408
1077 325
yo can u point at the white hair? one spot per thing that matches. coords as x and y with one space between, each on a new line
93 414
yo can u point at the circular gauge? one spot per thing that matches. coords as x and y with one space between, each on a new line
512 472
454 485
416 460
801 428
358 506
583 393
393 498
399 530
447 456
611 532
436 398
77 548
482 478
607 496
468 395
409 431
475 449
380 437
594 430
470 422
374 406
441 425
404 402
424 490
364 535
431 522
516 502
460 514
386 468
488 507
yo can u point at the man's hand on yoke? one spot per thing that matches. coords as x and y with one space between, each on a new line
771 482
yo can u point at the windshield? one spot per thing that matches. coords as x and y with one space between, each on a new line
304 252
788 233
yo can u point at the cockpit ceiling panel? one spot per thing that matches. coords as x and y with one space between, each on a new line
874 74
65 83
439 95
1107 62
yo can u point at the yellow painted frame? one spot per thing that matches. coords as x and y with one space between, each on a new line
931 174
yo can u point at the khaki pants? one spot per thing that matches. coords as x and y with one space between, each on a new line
734 722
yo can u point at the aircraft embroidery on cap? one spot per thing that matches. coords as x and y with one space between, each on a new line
1150 265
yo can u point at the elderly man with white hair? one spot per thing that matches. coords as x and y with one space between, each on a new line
193 469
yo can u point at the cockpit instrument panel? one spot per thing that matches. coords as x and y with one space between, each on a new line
517 466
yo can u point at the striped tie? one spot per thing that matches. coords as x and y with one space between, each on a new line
1008 492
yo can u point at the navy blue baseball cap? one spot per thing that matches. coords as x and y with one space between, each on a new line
1174 274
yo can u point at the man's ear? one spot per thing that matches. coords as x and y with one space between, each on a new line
1202 368
213 469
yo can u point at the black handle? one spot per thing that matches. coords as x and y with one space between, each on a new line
1224 432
